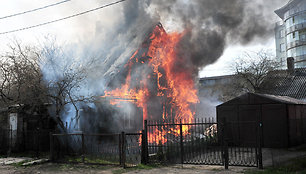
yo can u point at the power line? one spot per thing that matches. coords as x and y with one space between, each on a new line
33 10
71 16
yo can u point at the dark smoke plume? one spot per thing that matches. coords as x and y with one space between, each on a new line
212 25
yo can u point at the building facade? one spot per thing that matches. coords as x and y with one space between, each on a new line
290 33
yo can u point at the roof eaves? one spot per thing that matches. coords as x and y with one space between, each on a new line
283 99
281 11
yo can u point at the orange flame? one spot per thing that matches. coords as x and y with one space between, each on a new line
179 90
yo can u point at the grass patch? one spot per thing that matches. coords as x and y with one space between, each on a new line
138 167
297 166
219 169
147 167
67 167
19 164
91 160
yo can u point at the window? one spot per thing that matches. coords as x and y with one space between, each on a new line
293 19
282 47
303 31
281 33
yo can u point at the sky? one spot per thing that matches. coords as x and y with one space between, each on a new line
231 54
82 30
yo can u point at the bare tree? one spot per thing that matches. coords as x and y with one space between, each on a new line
254 72
20 77
64 76
34 76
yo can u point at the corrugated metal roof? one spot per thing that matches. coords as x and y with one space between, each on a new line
282 99
292 85
256 98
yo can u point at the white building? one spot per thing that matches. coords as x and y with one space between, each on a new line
290 33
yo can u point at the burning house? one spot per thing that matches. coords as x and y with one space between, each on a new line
151 81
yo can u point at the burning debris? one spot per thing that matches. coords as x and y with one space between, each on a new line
154 84
211 131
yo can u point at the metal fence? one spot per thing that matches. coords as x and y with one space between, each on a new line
105 149
202 142
133 149
33 142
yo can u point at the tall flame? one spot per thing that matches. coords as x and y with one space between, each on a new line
177 89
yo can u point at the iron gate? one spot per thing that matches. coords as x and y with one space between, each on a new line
200 142
243 140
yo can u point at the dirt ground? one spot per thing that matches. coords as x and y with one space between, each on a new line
192 169
50 168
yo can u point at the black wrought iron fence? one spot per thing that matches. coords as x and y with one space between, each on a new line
133 149
103 149
203 141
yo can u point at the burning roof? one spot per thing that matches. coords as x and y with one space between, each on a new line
152 81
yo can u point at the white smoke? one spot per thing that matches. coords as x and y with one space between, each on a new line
111 36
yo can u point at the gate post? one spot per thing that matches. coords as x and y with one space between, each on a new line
144 147
123 151
83 149
146 142
51 147
260 165
226 156
10 141
37 141
224 143
181 142
120 149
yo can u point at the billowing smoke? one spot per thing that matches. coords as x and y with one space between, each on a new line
209 26
214 24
